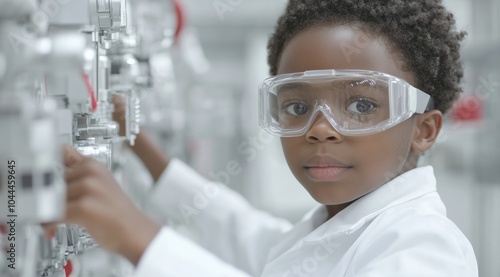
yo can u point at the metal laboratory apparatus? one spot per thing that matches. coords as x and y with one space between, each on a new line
31 189
61 62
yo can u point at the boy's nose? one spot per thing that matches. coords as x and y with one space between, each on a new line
322 131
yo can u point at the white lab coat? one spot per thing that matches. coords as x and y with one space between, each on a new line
400 229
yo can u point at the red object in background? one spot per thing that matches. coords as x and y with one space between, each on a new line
179 12
468 108
3 231
68 268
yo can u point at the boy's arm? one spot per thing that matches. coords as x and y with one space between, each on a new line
150 154
170 254
145 148
220 220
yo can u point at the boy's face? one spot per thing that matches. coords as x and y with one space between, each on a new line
333 168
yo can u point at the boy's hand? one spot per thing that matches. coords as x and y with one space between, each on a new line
119 114
96 202
150 153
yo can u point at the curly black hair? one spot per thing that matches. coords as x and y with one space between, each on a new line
422 31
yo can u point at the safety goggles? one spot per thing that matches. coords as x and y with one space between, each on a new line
355 102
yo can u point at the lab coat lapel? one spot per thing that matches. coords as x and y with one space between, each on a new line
408 186
308 224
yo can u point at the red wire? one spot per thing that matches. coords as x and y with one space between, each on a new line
90 90
180 19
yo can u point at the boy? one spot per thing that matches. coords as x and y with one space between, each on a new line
358 94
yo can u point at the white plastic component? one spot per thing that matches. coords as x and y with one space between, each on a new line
31 148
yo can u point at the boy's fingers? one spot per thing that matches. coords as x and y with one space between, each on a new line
117 99
81 187
79 211
119 102
71 157
88 167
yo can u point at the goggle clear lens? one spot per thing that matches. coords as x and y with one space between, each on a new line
354 102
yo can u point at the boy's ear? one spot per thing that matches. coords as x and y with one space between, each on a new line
428 126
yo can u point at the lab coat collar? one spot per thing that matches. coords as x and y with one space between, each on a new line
406 187
313 229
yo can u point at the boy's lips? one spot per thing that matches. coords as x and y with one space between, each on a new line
324 161
325 168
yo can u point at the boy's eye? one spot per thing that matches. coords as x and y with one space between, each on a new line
361 106
297 109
